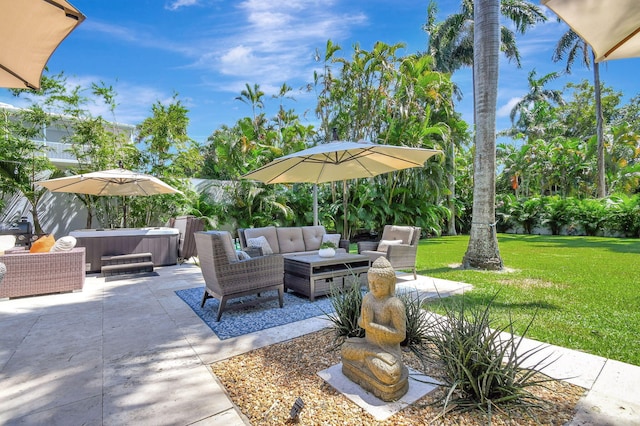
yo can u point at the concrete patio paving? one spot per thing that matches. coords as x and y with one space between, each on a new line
131 352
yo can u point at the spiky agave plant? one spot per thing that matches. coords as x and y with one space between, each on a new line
484 367
347 305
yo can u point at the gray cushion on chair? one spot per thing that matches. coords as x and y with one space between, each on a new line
229 248
393 232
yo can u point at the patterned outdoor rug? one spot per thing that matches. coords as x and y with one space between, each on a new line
238 319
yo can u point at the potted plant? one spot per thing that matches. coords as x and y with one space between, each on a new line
327 249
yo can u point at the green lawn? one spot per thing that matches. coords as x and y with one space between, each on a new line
586 290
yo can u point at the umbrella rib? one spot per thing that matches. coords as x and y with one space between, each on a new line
26 83
281 173
371 151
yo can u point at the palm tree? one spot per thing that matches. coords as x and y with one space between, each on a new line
537 93
482 251
253 97
451 41
451 44
575 47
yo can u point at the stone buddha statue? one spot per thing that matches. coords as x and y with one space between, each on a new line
375 361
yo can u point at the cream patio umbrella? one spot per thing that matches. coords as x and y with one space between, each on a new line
30 30
119 182
611 28
340 160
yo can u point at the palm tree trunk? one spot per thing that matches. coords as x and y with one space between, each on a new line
451 180
482 251
601 184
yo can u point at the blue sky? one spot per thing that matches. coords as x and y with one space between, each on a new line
206 50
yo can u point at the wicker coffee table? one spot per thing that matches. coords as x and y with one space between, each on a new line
312 275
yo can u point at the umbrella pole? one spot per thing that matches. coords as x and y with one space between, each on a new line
124 212
344 209
315 204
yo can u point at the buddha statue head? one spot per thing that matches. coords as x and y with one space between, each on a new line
382 278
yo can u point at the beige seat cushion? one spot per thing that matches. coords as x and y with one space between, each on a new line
373 255
290 239
383 245
393 232
229 248
313 236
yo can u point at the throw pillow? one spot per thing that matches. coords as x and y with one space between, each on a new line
42 244
332 238
64 244
261 242
7 242
243 255
383 245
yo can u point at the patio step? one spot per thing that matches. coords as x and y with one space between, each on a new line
133 263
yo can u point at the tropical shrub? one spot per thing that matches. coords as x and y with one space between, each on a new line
623 215
558 212
590 215
504 212
527 213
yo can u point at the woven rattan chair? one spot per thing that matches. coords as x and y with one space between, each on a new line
226 277
187 225
399 244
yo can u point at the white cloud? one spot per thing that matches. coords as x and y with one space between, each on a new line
177 4
275 41
237 59
263 42
505 110
115 31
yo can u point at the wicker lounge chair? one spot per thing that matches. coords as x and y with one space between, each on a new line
226 277
399 244
187 225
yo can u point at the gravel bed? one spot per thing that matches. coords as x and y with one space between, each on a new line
265 383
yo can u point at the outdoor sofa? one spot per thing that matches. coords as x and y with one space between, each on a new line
295 240
32 274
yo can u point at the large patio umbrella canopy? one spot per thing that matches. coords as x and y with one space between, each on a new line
611 28
110 182
340 160
120 182
30 30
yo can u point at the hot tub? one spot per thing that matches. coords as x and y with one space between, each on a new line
161 242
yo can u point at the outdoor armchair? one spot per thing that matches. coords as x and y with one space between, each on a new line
226 277
399 244
187 225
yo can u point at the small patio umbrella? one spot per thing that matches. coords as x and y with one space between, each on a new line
340 160
612 29
110 182
30 30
